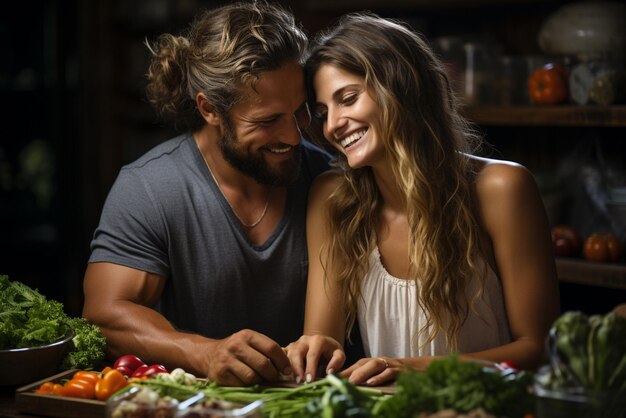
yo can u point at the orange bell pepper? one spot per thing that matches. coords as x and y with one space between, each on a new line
76 388
111 382
46 388
87 376
56 389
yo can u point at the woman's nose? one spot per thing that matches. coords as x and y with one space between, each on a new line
334 124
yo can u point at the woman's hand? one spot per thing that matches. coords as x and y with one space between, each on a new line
306 353
374 371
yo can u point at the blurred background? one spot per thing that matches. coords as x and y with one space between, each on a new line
74 111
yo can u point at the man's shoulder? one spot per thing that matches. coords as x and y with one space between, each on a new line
165 151
163 169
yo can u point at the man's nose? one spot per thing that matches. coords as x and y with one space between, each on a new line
298 123
291 132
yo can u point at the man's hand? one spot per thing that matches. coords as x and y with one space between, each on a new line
246 358
306 353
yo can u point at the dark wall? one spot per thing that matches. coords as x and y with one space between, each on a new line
74 111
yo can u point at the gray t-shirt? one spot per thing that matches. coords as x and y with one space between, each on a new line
165 215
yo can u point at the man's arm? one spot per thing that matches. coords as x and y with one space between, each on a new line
118 300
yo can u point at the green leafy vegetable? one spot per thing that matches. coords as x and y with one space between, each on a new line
588 352
28 319
341 399
450 383
89 345
588 356
331 397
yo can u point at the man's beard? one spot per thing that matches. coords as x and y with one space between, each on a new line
254 165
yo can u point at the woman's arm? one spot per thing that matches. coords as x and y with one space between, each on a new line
324 320
517 229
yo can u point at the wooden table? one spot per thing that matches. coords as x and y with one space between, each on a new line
8 407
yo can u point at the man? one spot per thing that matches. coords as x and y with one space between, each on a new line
199 260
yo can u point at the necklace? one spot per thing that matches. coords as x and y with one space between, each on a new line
247 225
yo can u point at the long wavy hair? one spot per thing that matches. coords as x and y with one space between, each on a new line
222 54
428 143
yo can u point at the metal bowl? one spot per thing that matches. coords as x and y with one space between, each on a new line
574 402
25 365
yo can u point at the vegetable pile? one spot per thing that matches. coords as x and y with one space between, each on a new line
588 356
86 384
449 386
459 385
132 366
329 397
102 385
466 387
28 319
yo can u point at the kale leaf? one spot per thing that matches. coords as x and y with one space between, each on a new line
28 319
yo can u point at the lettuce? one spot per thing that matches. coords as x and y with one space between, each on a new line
28 319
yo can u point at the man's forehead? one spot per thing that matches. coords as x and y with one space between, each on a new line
278 91
286 80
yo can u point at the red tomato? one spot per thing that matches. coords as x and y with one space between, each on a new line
130 361
154 370
139 371
566 241
509 364
126 371
562 247
148 371
548 85
602 247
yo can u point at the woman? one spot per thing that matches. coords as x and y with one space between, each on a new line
431 250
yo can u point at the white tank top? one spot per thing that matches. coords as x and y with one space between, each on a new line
389 320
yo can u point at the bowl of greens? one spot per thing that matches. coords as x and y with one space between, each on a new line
37 338
586 372
25 365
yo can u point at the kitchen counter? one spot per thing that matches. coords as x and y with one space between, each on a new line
8 407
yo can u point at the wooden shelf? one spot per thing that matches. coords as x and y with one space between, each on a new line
571 115
579 271
332 5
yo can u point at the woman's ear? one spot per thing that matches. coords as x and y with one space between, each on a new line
207 110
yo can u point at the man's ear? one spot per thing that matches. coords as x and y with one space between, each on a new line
207 110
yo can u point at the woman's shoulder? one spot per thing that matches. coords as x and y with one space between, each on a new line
322 187
327 181
504 189
499 176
